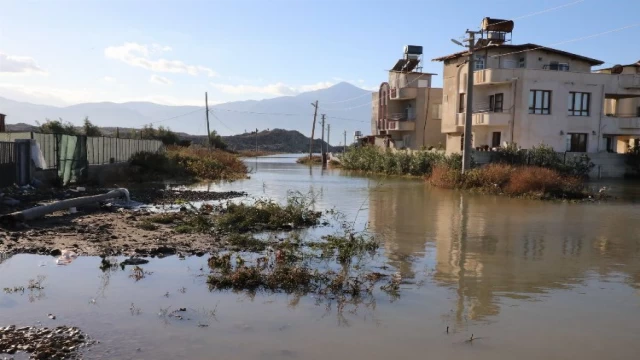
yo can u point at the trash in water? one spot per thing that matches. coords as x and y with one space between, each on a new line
51 316
73 210
66 257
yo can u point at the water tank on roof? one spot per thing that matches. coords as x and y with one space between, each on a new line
412 50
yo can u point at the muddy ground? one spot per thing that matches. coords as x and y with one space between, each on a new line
100 230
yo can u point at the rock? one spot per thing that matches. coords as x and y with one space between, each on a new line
55 252
51 316
134 261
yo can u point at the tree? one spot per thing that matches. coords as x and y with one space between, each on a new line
217 142
57 127
167 136
90 129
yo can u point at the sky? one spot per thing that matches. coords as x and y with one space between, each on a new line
62 52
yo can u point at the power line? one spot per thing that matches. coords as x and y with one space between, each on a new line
175 117
536 13
220 121
569 41
347 100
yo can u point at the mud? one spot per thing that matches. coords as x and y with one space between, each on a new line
110 231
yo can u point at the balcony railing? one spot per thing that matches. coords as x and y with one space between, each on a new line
626 121
401 125
485 118
403 116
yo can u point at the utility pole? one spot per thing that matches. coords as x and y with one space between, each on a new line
206 107
256 141
468 123
328 133
344 146
322 154
313 129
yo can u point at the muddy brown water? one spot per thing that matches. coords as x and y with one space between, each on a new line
528 279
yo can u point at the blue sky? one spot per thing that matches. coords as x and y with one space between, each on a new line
71 51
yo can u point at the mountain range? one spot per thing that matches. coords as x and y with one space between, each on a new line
347 108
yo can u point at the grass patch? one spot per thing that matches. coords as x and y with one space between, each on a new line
268 215
187 162
164 219
314 160
148 225
246 242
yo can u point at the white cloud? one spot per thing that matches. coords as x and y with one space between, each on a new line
109 79
138 55
19 64
277 89
157 79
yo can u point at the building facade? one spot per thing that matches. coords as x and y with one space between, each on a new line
406 110
531 95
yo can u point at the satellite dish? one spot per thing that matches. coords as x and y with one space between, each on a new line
617 69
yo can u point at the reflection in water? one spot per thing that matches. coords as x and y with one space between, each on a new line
489 248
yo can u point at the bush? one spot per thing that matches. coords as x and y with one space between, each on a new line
491 176
545 157
179 162
632 159
445 177
527 180
372 159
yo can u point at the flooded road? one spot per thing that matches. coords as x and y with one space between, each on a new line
528 279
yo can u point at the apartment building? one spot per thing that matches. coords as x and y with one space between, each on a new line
406 111
528 94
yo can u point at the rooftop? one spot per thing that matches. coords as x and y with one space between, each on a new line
522 48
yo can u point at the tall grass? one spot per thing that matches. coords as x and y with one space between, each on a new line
188 162
372 159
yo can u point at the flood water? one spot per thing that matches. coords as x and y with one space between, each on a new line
528 279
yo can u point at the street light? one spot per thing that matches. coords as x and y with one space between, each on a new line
457 42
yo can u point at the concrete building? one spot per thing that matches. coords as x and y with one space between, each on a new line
406 110
529 95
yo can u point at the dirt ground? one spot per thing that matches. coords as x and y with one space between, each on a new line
96 230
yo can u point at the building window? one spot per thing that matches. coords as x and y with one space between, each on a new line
638 111
521 62
540 102
610 143
579 103
495 102
462 103
478 63
577 142
495 139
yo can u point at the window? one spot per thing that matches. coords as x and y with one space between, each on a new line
579 103
495 102
577 142
462 103
638 111
521 62
610 142
540 102
495 139
478 63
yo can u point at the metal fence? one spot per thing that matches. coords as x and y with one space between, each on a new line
104 150
7 163
100 150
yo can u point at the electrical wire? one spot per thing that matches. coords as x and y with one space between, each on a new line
569 41
220 121
177 116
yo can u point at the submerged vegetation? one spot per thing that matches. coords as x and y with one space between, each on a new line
306 160
187 162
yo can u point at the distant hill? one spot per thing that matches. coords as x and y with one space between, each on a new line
288 141
347 107
277 140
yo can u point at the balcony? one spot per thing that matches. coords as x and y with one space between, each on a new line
404 116
404 93
627 122
494 76
492 118
630 81
401 125
485 119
